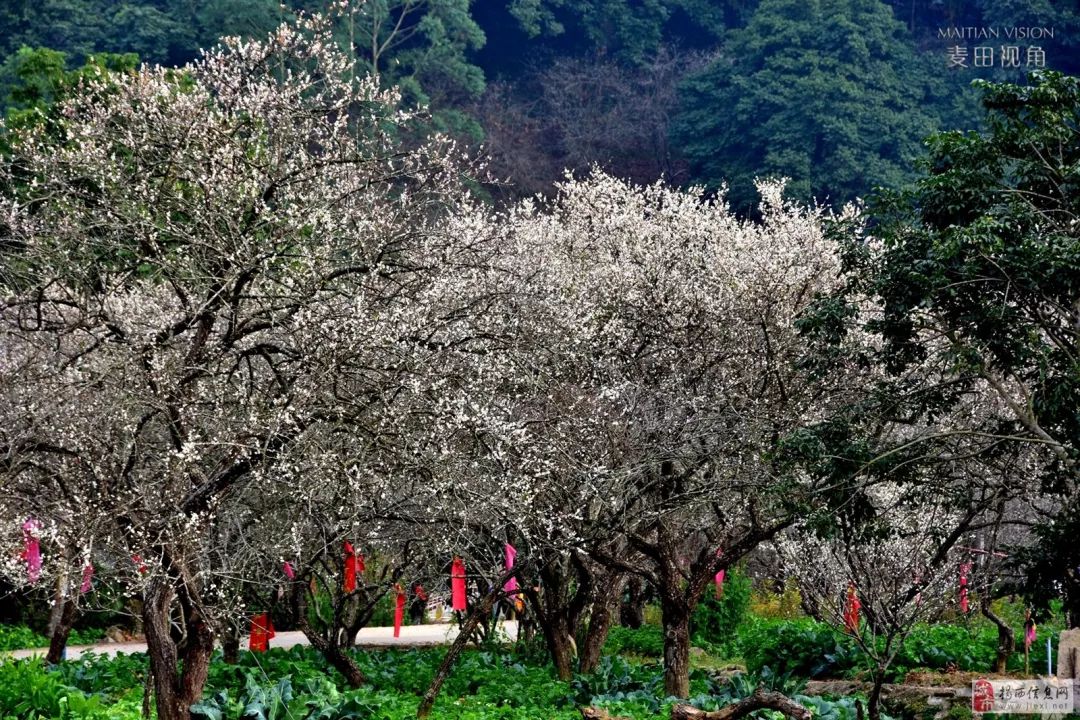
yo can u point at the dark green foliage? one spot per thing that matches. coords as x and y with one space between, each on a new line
426 54
985 239
616 681
809 649
629 31
34 79
214 19
716 619
829 93
801 647
983 251
104 675
16 637
1053 559
1063 17
647 640
159 31
28 691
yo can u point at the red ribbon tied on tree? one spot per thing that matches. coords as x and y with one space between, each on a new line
1029 630
262 629
32 550
965 568
457 584
511 585
399 609
87 578
350 567
851 610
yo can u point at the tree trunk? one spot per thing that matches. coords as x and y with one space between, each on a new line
559 611
179 674
560 645
330 647
61 629
678 598
873 709
344 664
472 622
600 620
632 611
1006 639
676 647
230 643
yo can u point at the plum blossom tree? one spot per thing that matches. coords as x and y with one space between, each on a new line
647 368
212 264
900 567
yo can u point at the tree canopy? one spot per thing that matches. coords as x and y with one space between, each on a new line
828 93
972 271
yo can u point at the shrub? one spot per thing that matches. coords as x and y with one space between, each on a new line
17 637
797 647
715 620
29 692
785 605
646 640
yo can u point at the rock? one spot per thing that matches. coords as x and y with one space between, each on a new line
696 652
595 713
1068 665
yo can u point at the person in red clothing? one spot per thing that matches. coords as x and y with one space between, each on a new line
418 604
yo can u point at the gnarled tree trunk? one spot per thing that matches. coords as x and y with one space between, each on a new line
761 700
676 645
601 617
558 611
330 647
1006 643
179 672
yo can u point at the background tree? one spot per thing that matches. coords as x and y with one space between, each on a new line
975 270
828 93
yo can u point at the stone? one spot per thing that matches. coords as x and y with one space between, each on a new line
1068 664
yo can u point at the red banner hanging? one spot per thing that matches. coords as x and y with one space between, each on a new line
457 584
87 579
399 609
511 585
965 568
262 629
1029 630
851 610
350 567
32 550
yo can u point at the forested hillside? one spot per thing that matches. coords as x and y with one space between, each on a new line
835 94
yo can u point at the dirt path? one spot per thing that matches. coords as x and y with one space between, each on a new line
373 637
